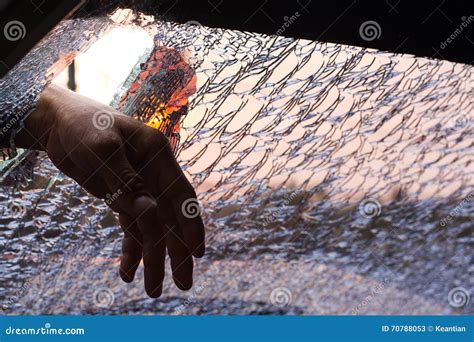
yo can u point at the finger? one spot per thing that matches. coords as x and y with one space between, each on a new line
131 248
175 187
135 199
181 259
188 211
154 250
129 189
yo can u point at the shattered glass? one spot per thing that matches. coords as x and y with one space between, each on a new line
20 87
160 93
326 174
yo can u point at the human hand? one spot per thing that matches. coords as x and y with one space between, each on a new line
131 165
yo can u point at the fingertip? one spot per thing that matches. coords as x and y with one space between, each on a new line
128 266
200 251
126 278
154 291
194 236
183 285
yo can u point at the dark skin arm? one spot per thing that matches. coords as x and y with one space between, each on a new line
130 165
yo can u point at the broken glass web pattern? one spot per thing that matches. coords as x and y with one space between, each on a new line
286 141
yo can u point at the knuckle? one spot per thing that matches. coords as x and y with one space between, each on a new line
131 182
104 144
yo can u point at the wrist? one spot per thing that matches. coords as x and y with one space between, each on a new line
38 124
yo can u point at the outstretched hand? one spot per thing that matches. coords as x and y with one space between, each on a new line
133 168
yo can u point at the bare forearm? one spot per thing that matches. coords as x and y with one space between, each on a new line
38 125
